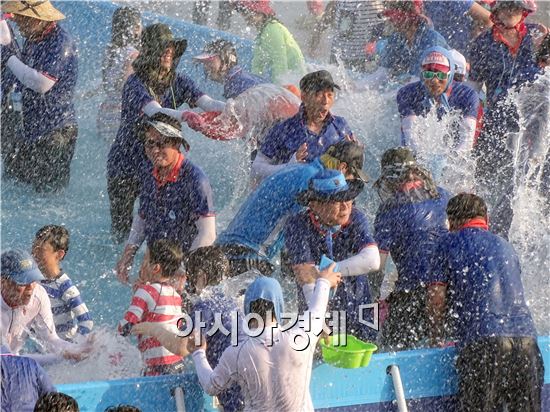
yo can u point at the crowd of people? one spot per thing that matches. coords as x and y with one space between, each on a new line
459 278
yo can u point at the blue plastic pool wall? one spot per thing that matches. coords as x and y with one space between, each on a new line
428 375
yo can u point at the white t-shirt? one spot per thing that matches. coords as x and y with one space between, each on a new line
16 323
272 377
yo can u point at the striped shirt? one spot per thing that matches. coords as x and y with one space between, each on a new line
154 302
355 21
70 313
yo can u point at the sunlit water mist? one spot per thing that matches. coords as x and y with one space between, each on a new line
84 210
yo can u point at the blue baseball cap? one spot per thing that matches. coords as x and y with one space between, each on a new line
330 185
19 266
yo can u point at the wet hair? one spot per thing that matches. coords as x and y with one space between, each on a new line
210 260
465 206
123 408
543 54
262 307
123 29
56 236
123 34
168 255
56 402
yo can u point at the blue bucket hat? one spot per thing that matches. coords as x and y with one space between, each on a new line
330 185
19 266
265 288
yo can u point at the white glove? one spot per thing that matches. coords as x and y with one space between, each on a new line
5 33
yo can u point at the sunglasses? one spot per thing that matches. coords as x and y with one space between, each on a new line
427 74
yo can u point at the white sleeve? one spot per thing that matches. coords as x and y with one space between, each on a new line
207 232
313 319
213 381
262 166
308 289
407 132
467 131
367 260
44 326
208 104
137 232
30 77
153 107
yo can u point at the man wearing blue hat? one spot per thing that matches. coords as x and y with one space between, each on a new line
251 363
24 302
333 227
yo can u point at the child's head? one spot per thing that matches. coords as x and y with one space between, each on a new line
165 259
543 54
463 207
50 245
56 402
206 266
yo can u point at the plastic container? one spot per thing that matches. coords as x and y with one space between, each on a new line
355 354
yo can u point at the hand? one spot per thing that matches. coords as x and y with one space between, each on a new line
192 345
5 33
124 265
329 274
301 153
193 120
144 328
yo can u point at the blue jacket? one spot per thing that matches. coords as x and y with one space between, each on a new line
282 141
410 230
259 221
239 80
493 64
23 382
485 291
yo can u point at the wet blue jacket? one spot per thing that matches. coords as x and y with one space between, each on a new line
410 230
493 64
485 291
239 80
258 223
282 141
306 241
23 382
400 59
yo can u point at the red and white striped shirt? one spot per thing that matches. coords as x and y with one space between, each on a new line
155 302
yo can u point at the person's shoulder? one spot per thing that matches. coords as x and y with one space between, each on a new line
193 171
463 89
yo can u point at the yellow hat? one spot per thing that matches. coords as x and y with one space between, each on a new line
37 9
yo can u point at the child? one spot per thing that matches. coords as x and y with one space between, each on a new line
158 301
49 248
256 363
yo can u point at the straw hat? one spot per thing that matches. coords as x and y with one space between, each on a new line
37 9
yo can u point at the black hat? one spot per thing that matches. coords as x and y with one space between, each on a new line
317 81
396 160
155 38
330 185
224 49
352 153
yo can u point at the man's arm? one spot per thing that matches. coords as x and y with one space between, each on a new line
135 239
367 260
213 381
206 226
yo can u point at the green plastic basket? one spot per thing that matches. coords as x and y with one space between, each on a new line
355 354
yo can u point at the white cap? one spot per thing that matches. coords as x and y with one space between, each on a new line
460 62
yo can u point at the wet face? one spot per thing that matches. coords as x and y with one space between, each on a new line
318 104
167 58
161 151
28 27
16 295
213 69
435 85
47 258
332 213
509 16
